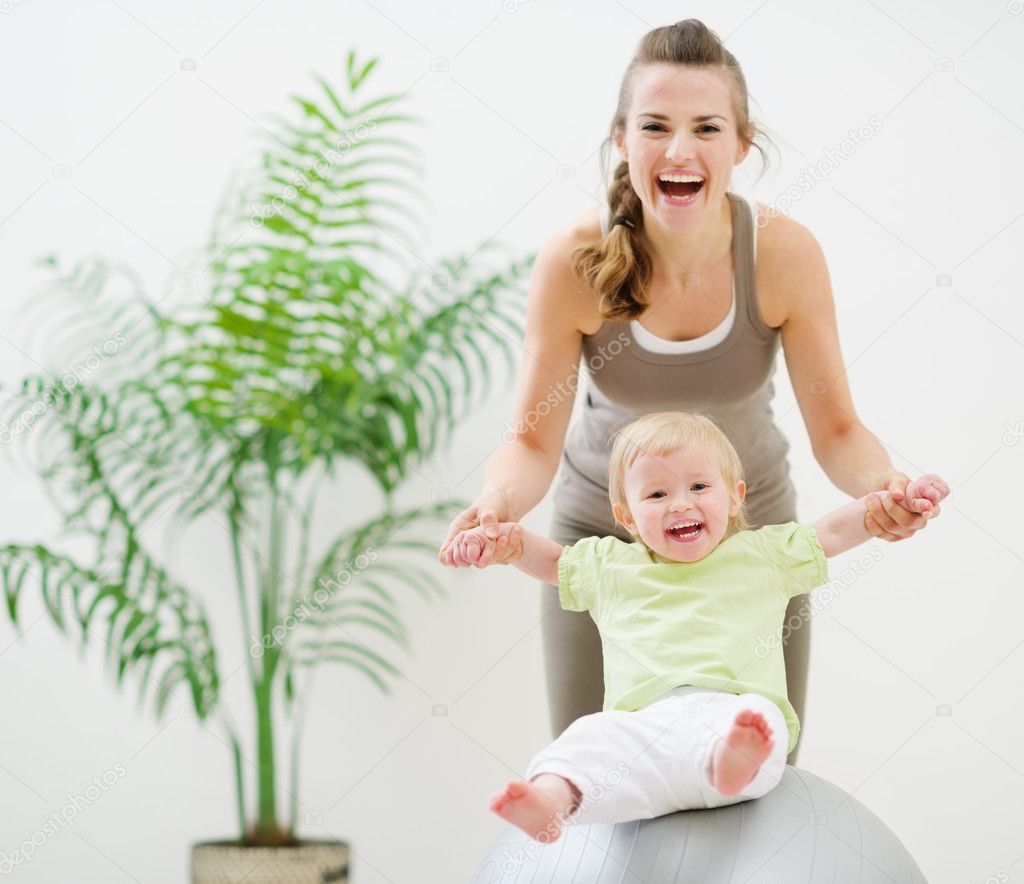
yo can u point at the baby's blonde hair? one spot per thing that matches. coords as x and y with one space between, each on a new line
662 432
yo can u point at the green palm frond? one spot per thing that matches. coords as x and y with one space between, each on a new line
356 590
152 624
306 351
110 476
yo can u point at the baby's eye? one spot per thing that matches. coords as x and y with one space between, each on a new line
699 486
653 493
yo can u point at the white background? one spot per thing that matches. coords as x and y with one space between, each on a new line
935 372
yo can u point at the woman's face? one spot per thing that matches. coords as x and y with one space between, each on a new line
667 494
681 119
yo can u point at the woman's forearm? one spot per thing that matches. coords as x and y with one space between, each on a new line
854 460
523 474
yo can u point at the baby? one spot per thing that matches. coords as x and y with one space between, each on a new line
692 716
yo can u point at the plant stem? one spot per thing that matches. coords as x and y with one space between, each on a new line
247 637
304 532
275 543
243 602
300 716
264 694
300 721
236 751
267 811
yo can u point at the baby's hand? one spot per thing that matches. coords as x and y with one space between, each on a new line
474 547
923 494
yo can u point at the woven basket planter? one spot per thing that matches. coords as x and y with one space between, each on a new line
310 862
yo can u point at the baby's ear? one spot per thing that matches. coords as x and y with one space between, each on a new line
739 493
624 517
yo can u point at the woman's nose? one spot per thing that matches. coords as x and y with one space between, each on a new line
680 149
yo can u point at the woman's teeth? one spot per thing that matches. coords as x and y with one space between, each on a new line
680 189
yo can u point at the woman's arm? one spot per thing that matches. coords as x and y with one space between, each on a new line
519 473
849 453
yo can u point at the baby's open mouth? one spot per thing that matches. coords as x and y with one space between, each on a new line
685 530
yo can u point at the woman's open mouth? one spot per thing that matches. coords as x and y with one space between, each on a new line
680 190
686 532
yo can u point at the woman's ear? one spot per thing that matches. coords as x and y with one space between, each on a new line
620 146
744 148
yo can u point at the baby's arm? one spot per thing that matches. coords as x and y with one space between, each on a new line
843 529
530 553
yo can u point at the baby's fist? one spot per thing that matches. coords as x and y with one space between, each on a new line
923 494
474 547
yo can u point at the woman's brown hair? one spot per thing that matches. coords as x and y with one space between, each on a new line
619 268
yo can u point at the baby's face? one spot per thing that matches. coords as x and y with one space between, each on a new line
666 493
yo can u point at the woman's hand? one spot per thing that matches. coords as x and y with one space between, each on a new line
887 517
490 508
470 547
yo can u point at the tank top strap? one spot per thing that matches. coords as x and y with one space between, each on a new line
744 244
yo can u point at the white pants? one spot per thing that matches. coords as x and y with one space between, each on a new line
642 764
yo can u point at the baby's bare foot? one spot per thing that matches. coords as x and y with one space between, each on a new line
736 759
536 810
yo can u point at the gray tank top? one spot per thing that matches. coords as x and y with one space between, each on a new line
730 381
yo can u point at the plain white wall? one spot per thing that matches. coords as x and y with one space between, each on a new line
917 662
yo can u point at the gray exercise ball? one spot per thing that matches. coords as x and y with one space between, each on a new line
804 830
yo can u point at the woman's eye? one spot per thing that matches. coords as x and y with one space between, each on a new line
654 127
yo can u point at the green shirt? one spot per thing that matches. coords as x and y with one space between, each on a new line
714 623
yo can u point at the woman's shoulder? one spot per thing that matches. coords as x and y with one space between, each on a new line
582 230
778 233
558 282
788 256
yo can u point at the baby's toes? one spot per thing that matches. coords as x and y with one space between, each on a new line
749 718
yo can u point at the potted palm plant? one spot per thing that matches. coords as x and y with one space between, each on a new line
299 356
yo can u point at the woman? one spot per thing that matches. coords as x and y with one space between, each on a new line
677 296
